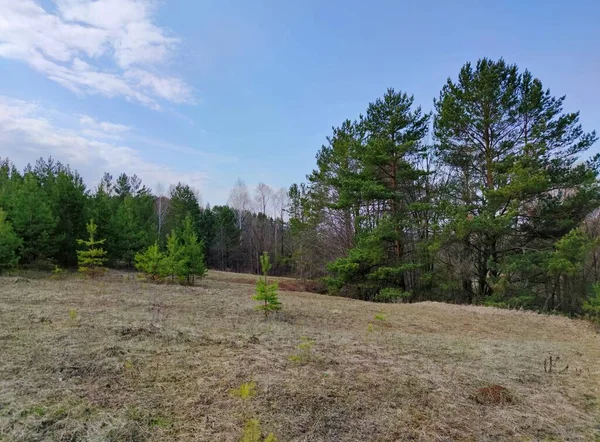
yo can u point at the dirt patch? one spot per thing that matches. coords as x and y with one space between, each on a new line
493 395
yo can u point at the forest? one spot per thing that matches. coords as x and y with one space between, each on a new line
492 198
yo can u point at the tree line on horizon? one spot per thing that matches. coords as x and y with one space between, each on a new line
488 199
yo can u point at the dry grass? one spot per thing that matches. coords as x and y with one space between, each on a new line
119 359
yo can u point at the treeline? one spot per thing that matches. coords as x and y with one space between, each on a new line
44 210
488 199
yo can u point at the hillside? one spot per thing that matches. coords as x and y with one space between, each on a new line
121 359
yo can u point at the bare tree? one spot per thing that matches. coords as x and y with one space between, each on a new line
262 197
161 207
280 203
239 201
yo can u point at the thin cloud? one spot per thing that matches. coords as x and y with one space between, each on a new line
26 132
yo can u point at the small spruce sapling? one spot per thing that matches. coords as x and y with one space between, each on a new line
266 294
91 261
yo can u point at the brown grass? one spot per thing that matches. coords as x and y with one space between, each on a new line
142 361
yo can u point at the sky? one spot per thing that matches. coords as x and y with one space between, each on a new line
206 92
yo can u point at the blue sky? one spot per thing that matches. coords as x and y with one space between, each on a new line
209 91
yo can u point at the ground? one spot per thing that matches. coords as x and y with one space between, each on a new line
122 359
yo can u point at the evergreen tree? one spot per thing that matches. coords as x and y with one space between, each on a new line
191 264
32 220
266 294
151 262
386 175
183 203
66 195
225 238
9 244
171 263
91 261
514 187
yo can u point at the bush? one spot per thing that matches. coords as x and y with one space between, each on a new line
391 295
591 306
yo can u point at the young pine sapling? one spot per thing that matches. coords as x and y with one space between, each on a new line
266 294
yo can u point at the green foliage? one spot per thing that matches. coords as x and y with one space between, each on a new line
380 317
58 272
9 244
91 261
591 306
305 353
73 315
151 262
266 293
391 295
253 433
191 264
246 391
33 220
173 256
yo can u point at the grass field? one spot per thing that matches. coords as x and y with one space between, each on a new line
125 360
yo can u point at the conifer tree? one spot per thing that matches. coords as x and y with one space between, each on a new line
172 259
9 243
151 262
33 220
191 264
266 294
91 261
514 185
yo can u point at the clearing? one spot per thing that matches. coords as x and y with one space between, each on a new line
122 359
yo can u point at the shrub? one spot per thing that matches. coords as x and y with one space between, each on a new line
391 295
591 306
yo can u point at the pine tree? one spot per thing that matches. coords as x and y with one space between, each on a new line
266 293
191 264
151 262
91 261
172 258
514 185
9 244
33 220
378 167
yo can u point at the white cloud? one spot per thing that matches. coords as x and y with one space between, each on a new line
106 47
93 147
